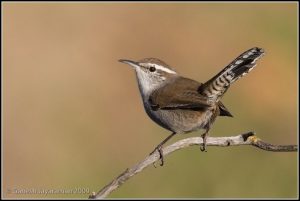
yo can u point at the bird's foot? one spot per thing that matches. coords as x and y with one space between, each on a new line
161 156
203 145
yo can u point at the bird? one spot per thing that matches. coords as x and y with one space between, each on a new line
182 105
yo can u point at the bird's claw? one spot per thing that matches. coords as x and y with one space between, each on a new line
161 157
203 145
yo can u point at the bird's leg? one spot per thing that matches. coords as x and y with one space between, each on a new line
204 137
159 148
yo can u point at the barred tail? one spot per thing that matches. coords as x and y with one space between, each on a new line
243 64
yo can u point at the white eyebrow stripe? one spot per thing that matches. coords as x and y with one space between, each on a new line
163 68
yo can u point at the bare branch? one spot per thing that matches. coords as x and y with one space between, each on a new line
243 139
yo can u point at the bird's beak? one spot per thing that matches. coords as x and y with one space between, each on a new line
131 63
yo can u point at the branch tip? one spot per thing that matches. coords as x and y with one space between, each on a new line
93 195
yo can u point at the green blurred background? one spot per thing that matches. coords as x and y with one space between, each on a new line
73 116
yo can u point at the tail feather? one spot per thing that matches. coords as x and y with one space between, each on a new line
243 64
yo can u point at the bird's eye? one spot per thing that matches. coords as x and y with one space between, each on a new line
152 69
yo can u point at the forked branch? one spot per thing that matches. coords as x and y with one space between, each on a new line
243 139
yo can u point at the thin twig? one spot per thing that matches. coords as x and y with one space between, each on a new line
243 139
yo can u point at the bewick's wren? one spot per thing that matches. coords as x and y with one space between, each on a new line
182 105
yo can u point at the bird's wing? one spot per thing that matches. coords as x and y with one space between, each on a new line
180 94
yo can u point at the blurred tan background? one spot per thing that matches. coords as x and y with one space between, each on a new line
73 116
